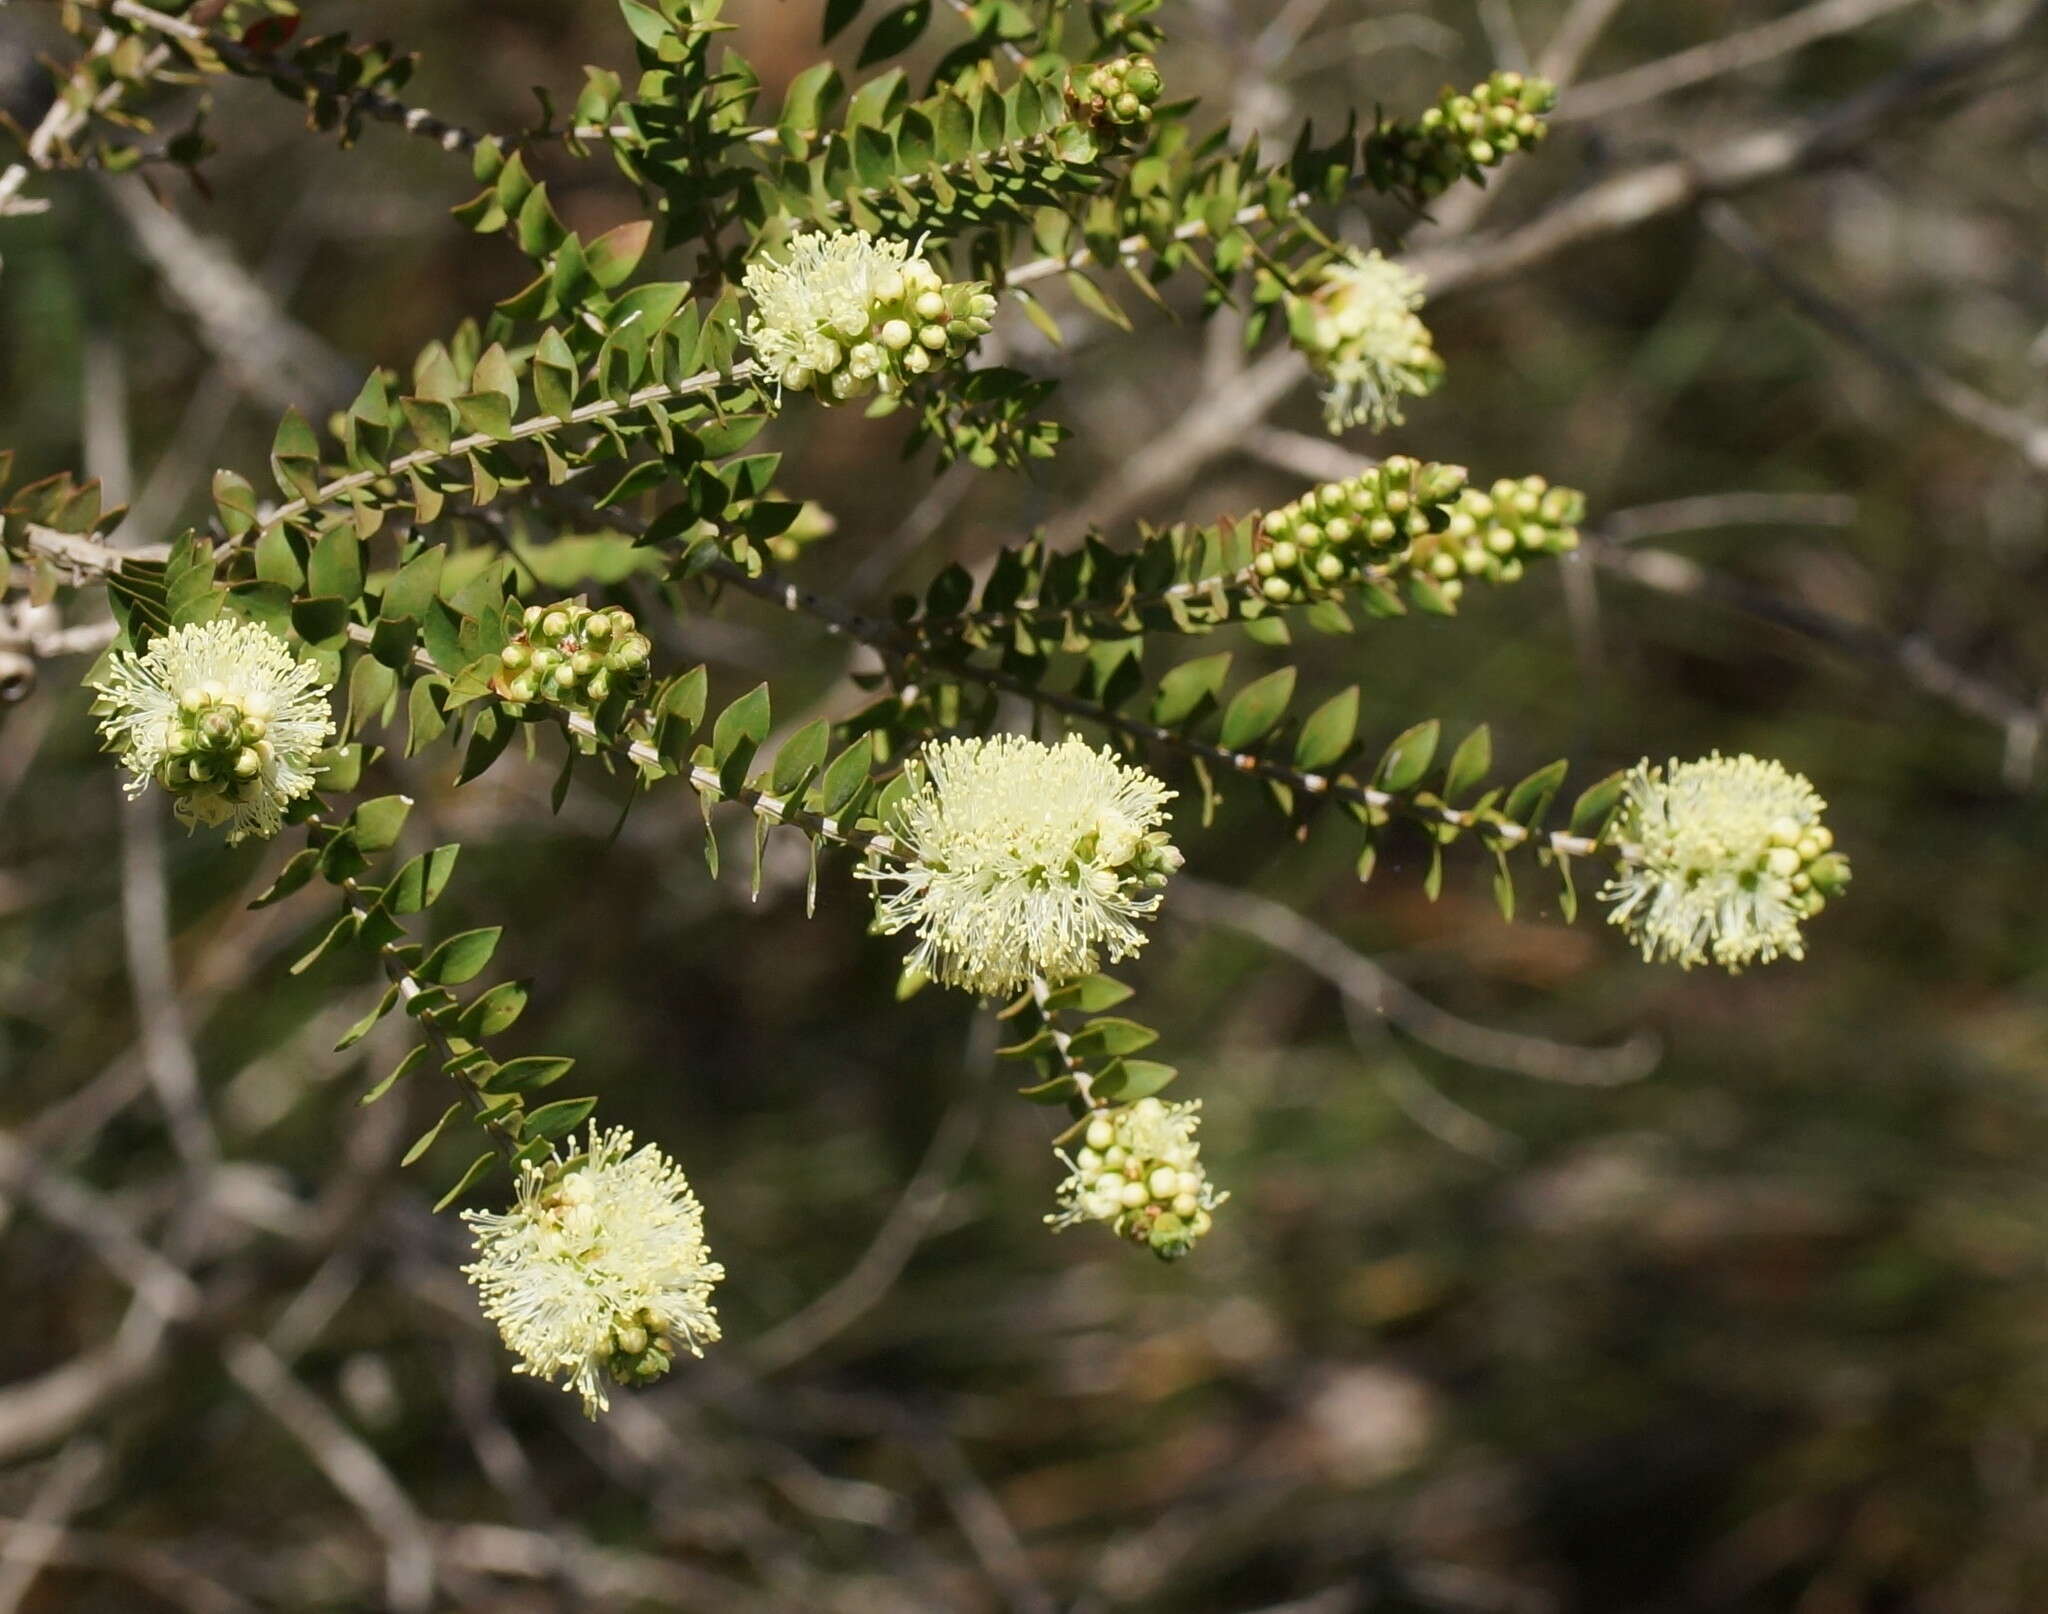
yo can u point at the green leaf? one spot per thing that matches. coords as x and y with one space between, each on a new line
294 875
477 1167
332 937
461 957
1254 710
392 640
1128 1080
801 756
1110 1037
737 733
278 562
1530 800
378 822
412 1057
896 32
613 256
1409 757
295 457
557 1119
494 1011
235 499
812 95
339 767
1187 688
1592 810
838 13
523 1075
322 620
189 593
425 1141
425 717
432 421
1097 301
844 777
362 1028
1470 763
1090 995
1328 733
420 883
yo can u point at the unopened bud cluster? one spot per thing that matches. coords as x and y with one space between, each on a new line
1335 533
1459 137
1139 1169
1493 531
573 656
846 315
1115 96
217 747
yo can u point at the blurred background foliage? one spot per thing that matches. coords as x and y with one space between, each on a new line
1764 1329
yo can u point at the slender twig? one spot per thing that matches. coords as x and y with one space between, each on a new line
30 1544
350 1467
910 1221
535 426
1953 398
1378 991
1730 53
1743 163
70 113
167 1056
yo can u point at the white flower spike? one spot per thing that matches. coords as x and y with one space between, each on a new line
1725 859
599 1270
1139 1171
224 717
845 314
1361 333
1024 861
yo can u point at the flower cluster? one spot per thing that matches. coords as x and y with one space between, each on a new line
844 315
224 717
1115 97
1023 861
1139 1169
1458 138
1335 533
599 1270
1493 531
1723 859
1359 329
571 655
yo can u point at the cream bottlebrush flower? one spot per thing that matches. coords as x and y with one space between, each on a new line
1361 334
599 1270
1139 1170
1024 861
845 314
223 716
1724 859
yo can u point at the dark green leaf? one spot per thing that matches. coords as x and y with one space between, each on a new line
477 1167
1328 733
494 1011
524 1075
461 957
1255 709
558 1119
425 1141
1409 757
1470 763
